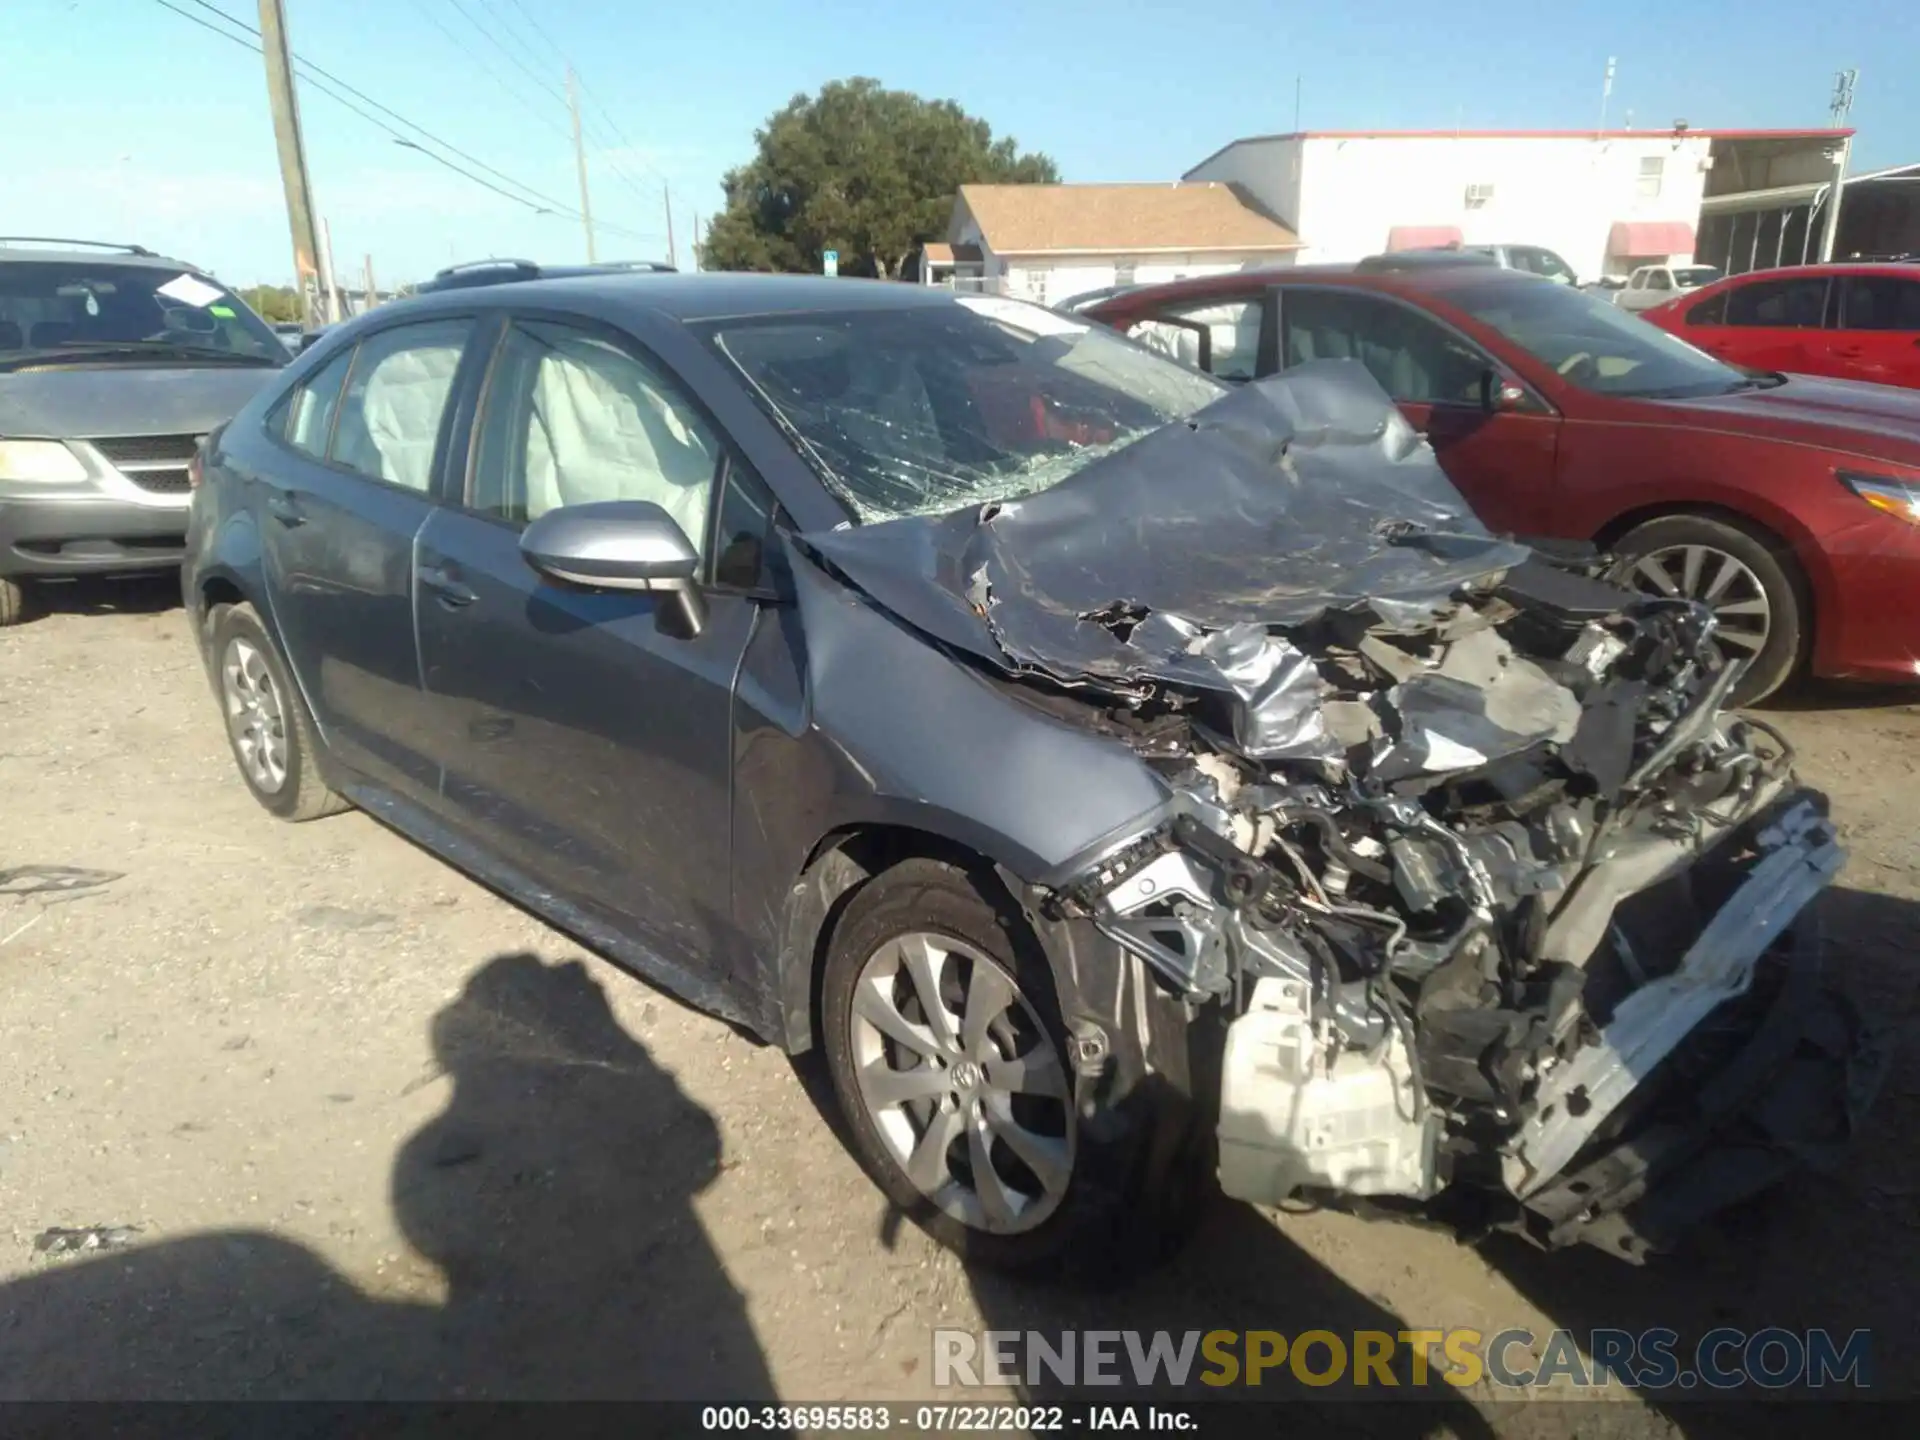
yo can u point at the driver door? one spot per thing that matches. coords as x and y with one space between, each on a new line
1503 461
586 734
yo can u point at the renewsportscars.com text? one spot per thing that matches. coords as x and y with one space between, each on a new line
1517 1359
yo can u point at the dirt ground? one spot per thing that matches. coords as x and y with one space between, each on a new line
377 1132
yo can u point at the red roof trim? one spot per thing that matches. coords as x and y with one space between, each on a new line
1645 133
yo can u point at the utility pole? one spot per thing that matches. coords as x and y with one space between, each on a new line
371 292
293 154
1606 93
580 159
694 248
673 254
331 281
1839 108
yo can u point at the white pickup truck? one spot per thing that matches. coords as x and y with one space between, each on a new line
1652 285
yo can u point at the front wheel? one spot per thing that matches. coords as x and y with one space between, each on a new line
944 1043
13 602
1748 580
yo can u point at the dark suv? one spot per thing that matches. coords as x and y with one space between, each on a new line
114 364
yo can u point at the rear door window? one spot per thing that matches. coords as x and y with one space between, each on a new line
1879 302
1712 311
307 421
395 397
1779 304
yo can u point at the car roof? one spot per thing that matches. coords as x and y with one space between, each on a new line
500 270
1412 282
689 297
82 252
1905 269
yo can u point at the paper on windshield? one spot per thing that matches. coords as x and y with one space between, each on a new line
189 290
1021 316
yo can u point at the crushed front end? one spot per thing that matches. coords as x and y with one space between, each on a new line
1506 914
1501 914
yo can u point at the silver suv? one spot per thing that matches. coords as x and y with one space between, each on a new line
114 363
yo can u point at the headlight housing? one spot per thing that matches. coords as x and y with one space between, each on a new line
1885 493
40 462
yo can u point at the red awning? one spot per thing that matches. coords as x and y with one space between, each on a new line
1650 237
1422 237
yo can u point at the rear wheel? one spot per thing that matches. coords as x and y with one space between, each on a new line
13 602
267 725
1747 579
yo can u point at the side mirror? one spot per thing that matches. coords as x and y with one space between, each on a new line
618 545
1500 395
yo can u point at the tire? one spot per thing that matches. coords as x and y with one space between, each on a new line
13 602
1077 1185
267 725
1764 574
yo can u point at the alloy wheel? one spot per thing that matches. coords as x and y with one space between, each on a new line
1721 582
256 718
963 1082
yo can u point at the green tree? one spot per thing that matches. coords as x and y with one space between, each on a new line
863 170
272 303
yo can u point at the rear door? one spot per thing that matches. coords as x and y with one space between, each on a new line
587 735
1877 337
1773 324
364 440
1502 461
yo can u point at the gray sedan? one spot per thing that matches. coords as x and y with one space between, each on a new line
1105 767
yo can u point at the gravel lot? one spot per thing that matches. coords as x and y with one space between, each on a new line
380 1133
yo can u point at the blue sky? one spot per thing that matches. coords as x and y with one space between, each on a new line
121 120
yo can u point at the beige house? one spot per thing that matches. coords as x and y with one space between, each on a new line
1048 243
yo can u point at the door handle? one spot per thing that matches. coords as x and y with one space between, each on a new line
285 509
1848 352
444 583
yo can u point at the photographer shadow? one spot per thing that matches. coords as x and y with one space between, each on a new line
553 1195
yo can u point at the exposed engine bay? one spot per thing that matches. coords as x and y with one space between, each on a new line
1502 915
1492 878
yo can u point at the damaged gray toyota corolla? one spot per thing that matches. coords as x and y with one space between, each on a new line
1494 905
1122 778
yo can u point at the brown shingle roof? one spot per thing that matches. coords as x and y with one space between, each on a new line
1203 215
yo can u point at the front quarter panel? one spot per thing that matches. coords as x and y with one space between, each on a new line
846 719
1862 567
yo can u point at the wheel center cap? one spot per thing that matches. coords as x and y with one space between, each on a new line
965 1075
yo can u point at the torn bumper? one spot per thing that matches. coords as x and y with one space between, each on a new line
1712 1084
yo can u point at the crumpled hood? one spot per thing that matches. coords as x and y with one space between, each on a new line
78 401
1173 558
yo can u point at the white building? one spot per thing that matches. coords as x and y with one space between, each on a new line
1049 243
1604 201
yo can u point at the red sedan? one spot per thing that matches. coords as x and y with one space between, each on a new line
1853 322
1789 505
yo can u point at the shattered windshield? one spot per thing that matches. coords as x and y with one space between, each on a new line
923 410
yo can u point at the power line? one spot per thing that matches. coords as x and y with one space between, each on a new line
486 68
319 78
540 30
317 74
530 73
506 27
